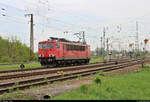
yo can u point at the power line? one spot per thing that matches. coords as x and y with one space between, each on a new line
7 20
63 22
86 27
48 1
13 19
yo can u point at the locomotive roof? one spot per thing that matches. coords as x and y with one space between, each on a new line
63 40
54 39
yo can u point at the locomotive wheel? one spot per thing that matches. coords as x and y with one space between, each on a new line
59 64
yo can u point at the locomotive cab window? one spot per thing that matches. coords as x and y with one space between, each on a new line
75 48
47 46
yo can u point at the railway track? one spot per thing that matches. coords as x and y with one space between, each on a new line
68 74
10 75
39 68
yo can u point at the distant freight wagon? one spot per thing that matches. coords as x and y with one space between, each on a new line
59 51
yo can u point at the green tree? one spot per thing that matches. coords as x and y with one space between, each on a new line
14 51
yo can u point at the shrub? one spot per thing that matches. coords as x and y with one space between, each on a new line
97 80
146 68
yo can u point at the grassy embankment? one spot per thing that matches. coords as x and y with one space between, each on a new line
37 64
132 86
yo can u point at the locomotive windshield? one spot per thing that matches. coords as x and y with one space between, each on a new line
46 46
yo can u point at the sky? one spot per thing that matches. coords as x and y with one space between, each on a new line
53 17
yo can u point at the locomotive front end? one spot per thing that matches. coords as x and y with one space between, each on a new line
47 53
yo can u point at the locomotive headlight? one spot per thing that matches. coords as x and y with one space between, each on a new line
40 55
51 55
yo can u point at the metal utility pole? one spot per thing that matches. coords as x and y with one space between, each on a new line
137 37
31 36
101 47
104 32
107 47
97 51
84 42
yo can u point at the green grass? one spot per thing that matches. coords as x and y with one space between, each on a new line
132 86
17 95
13 67
96 59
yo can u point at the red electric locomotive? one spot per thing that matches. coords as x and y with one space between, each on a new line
59 51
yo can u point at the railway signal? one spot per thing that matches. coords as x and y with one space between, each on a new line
145 41
130 45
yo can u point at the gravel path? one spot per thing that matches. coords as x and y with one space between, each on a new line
56 89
